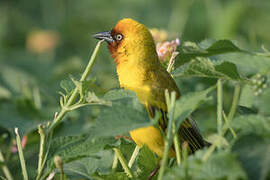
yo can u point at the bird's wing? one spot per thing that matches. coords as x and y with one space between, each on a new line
188 130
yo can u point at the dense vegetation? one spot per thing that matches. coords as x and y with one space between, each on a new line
224 85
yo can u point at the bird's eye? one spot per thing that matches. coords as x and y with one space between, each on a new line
119 37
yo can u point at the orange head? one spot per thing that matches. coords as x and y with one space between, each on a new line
129 39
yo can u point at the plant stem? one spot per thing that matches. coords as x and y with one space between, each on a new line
75 93
65 109
115 162
176 145
123 162
169 137
133 157
211 149
219 106
172 61
4 167
236 95
227 122
41 147
185 158
20 151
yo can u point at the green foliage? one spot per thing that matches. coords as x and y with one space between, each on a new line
253 158
188 103
89 154
221 165
125 113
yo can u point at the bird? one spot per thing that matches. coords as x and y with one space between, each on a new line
133 49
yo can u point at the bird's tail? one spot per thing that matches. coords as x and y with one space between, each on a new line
190 133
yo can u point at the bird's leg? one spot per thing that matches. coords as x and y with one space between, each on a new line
153 173
134 155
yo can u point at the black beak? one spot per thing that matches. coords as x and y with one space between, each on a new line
104 35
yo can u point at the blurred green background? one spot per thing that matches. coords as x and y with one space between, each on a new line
43 42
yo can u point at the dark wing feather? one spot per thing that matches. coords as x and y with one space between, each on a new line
188 131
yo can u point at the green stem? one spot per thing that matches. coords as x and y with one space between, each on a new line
228 124
4 167
236 95
185 158
75 93
169 137
219 106
20 151
115 162
41 147
177 146
123 162
65 109
172 61
133 157
211 149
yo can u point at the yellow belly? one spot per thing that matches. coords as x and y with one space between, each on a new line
151 137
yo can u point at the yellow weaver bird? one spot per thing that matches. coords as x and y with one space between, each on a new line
139 69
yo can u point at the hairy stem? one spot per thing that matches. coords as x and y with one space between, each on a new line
236 95
133 157
4 167
75 93
219 106
115 162
20 151
123 162
41 147
176 145
169 137
65 109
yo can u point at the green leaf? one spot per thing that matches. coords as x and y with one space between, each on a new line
188 103
246 62
4 93
118 94
112 176
223 46
146 162
252 123
221 51
253 152
75 147
67 85
72 148
85 167
189 50
261 101
203 67
247 97
220 165
124 115
15 78
24 116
